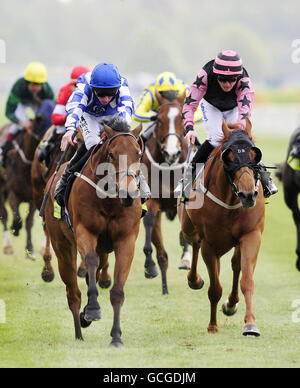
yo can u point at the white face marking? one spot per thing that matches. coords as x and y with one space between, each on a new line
172 140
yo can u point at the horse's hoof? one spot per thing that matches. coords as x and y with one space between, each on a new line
212 329
116 344
83 322
104 283
298 264
195 285
251 330
151 271
92 314
47 276
81 272
30 255
185 262
229 310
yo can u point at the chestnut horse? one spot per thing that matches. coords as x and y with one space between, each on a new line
101 224
18 178
40 174
165 155
232 215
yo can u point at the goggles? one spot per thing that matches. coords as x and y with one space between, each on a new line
224 79
104 92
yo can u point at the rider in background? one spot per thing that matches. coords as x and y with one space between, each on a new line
59 115
224 91
170 88
99 95
31 91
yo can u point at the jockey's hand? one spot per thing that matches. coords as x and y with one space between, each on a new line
190 137
68 139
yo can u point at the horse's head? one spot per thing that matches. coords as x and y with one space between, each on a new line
169 128
124 156
240 159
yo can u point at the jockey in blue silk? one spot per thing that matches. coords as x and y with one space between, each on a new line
99 96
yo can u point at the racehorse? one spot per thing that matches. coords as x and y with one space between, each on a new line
289 174
231 215
165 155
40 173
7 241
101 224
18 178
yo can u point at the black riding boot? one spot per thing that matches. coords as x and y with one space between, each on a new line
267 182
75 164
148 133
47 147
4 149
185 184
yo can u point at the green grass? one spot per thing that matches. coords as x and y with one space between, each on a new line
158 331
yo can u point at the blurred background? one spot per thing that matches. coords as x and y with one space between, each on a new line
144 38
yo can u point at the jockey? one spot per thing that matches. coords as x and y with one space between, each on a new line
226 92
170 88
59 114
99 95
32 91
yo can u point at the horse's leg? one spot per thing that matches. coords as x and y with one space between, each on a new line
291 200
231 305
215 290
162 256
249 245
194 279
47 272
7 242
82 269
29 224
151 270
67 264
87 244
17 221
124 251
185 262
104 277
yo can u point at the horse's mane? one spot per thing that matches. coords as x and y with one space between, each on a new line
118 124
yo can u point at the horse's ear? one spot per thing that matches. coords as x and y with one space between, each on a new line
159 97
137 130
225 129
248 127
108 130
181 99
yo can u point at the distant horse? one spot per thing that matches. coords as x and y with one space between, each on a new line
101 225
290 176
40 174
232 215
7 241
18 178
165 159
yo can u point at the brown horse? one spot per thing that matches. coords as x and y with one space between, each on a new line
165 155
232 215
40 174
101 224
18 178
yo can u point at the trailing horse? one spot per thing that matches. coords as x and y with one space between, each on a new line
231 215
289 174
165 156
102 221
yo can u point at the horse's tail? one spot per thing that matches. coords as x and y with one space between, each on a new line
279 172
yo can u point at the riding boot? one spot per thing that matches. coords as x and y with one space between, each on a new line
4 149
47 146
185 184
267 182
146 135
78 159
